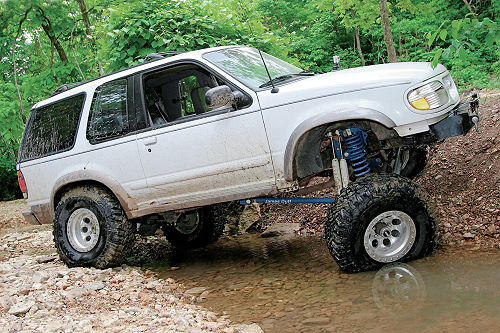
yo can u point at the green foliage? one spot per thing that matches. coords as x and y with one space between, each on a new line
52 46
458 38
153 26
9 188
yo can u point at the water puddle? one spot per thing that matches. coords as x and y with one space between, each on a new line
293 285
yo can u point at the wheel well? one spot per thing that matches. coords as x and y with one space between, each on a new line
312 155
60 192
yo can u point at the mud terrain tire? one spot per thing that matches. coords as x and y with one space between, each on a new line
378 219
416 162
197 228
91 229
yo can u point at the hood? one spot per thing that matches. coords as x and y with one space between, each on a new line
351 80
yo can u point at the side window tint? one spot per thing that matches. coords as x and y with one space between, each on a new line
52 128
108 113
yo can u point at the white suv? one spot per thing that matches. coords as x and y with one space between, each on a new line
166 142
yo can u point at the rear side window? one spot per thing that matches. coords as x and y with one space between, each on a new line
52 128
108 116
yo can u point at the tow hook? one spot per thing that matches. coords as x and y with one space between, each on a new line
475 121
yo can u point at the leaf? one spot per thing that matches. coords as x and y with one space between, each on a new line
443 34
462 54
446 53
432 38
489 39
131 50
437 56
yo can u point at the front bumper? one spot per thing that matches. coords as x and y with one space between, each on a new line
460 120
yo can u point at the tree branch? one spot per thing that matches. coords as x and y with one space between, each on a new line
47 27
88 30
14 63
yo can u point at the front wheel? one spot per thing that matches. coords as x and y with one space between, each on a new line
91 229
413 161
379 219
197 228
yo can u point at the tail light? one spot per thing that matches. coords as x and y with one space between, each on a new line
22 183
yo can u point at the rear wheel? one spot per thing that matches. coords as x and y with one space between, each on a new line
379 219
91 229
197 228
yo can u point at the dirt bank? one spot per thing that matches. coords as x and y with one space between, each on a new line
462 175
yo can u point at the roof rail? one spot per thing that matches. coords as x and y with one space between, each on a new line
67 86
161 55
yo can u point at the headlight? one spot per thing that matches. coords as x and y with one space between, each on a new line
450 86
429 96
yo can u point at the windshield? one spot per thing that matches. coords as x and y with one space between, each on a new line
245 64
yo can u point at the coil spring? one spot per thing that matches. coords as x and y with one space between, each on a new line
356 153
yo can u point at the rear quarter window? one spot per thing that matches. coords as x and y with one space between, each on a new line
108 117
51 128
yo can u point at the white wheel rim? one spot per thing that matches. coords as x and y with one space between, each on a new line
83 230
389 236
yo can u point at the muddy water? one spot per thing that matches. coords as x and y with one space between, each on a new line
293 285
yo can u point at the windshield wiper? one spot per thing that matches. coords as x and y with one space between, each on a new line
286 77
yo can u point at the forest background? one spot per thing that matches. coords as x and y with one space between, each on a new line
47 43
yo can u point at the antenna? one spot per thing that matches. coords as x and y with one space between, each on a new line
274 90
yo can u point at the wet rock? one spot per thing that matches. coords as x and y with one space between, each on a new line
468 235
279 229
248 217
195 291
253 328
317 321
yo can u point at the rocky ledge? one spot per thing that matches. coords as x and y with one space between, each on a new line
40 294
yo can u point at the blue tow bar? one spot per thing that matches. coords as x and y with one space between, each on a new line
247 202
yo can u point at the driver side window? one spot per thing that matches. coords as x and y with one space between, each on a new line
177 93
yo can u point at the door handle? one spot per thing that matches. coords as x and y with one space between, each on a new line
149 141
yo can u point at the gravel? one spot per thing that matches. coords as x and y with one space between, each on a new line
40 294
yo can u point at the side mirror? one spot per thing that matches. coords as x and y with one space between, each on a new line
222 96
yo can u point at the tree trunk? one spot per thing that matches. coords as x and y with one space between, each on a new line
88 30
47 27
48 30
85 16
358 45
389 42
21 111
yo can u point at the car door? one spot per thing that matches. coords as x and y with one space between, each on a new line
194 155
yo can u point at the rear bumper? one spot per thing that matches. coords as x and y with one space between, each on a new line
39 214
30 217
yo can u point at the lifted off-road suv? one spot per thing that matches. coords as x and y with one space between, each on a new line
167 142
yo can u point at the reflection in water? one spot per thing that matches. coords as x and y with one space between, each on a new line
293 285
398 287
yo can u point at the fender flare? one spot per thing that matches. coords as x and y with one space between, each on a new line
324 119
96 177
